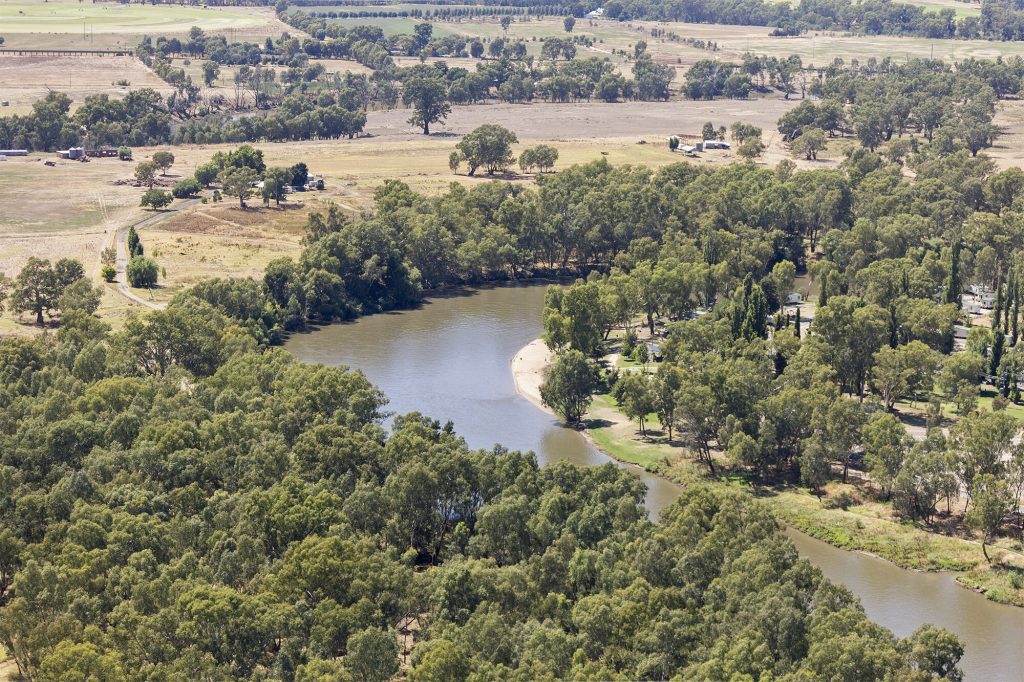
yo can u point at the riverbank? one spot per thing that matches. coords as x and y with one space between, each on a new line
528 367
863 525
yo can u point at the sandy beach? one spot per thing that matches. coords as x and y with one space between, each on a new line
528 366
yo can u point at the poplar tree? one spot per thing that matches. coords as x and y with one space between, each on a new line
953 286
997 312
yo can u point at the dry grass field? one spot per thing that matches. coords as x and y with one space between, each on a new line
24 80
67 24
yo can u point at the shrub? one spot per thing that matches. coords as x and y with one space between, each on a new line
843 500
156 198
124 153
108 272
142 272
186 188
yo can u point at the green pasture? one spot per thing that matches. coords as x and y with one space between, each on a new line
61 16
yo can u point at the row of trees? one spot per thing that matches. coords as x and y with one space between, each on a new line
139 118
180 502
1000 19
689 234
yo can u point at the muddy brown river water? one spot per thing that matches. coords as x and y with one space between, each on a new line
450 359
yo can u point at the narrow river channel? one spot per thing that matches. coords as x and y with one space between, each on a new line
451 359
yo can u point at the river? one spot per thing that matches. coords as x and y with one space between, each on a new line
450 359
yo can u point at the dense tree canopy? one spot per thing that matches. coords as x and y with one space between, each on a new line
180 503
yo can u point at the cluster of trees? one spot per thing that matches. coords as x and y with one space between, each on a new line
45 288
741 378
708 78
180 503
322 116
950 108
1000 20
139 118
430 90
439 12
688 236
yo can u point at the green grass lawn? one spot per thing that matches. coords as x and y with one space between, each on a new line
988 395
62 16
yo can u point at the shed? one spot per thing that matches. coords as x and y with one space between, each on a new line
960 331
14 152
794 298
716 144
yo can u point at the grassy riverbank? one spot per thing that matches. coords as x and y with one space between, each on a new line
847 515
860 524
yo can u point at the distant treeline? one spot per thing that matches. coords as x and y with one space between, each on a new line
999 20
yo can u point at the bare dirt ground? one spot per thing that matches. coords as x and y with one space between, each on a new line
24 80
591 120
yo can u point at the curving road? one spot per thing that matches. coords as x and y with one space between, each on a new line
121 242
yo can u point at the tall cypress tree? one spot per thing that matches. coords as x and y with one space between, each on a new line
797 323
1011 296
954 288
894 328
1015 313
997 353
997 312
823 294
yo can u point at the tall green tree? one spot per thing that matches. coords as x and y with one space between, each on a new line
39 285
569 385
427 95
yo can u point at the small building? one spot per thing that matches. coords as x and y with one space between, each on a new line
960 331
654 351
14 152
716 144
794 298
972 307
596 14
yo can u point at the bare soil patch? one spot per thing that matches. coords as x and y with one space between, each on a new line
593 120
24 80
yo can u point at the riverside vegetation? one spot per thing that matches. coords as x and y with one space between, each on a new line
182 499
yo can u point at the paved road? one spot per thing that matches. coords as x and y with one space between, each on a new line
121 242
